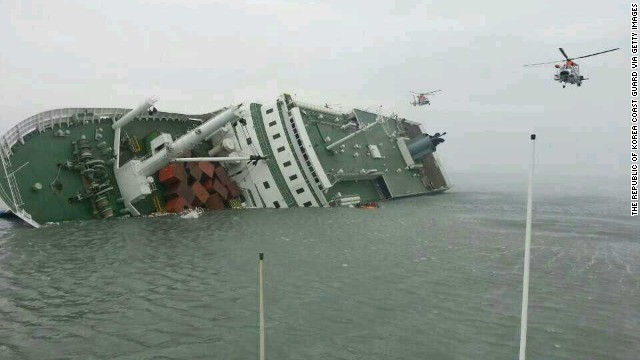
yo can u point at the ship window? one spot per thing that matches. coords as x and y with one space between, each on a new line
249 141
300 191
269 111
276 136
293 177
273 123
286 163
281 149
305 156
276 204
307 204
266 184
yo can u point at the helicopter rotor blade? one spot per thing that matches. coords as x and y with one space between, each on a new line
424 93
544 63
598 53
564 54
569 59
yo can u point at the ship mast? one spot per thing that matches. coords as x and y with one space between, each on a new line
127 118
134 177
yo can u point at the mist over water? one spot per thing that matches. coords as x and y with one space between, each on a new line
430 277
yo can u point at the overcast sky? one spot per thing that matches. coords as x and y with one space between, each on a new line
197 56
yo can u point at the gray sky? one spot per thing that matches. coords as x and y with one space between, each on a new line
197 57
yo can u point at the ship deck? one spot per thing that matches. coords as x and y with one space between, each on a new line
392 167
35 156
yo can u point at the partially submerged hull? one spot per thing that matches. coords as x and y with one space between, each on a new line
80 163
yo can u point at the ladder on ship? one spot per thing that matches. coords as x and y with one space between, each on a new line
5 157
134 145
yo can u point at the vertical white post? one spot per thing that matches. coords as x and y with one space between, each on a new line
261 302
527 251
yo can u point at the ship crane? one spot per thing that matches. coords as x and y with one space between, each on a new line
134 178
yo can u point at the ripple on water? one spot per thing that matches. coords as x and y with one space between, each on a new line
430 277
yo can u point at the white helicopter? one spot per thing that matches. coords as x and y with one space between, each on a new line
421 98
569 72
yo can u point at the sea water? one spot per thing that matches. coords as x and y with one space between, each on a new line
436 277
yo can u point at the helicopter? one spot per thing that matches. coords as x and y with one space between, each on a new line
422 98
569 72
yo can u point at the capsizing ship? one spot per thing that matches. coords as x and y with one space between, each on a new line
99 163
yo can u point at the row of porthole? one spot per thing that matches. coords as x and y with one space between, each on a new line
286 163
304 152
266 184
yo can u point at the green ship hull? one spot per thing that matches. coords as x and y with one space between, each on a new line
81 163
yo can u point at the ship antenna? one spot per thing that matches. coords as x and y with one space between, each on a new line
527 253
261 302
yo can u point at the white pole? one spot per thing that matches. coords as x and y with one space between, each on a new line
367 127
186 142
261 301
216 159
527 251
128 117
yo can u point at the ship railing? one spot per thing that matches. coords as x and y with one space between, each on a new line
49 119
14 191
145 156
11 179
316 108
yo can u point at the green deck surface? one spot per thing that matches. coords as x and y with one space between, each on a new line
400 184
37 162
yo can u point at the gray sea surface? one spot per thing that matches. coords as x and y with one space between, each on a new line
436 277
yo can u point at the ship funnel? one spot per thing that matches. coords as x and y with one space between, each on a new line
424 145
